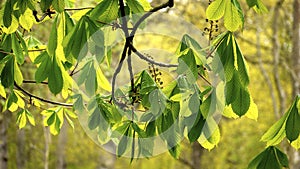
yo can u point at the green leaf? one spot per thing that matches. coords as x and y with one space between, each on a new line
147 83
231 88
196 130
51 119
52 42
194 103
21 119
7 74
94 119
260 7
157 102
242 68
175 151
292 126
30 117
58 5
18 77
276 132
45 4
26 20
187 66
135 6
242 103
226 54
44 69
270 158
216 9
251 3
232 18
106 11
189 42
7 16
123 144
55 79
18 52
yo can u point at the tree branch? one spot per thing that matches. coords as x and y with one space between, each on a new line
140 55
78 9
170 4
41 99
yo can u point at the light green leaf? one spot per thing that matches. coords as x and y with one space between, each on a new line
30 117
13 26
106 11
21 119
26 20
18 77
275 130
216 9
232 18
296 143
135 6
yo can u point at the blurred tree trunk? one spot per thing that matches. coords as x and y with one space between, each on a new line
4 120
47 137
61 144
197 152
295 60
21 153
276 56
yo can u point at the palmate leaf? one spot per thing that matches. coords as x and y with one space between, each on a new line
233 18
270 158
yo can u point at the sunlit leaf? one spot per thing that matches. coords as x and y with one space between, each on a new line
26 20
216 9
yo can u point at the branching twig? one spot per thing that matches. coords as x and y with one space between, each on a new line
33 81
170 4
42 99
78 9
140 55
